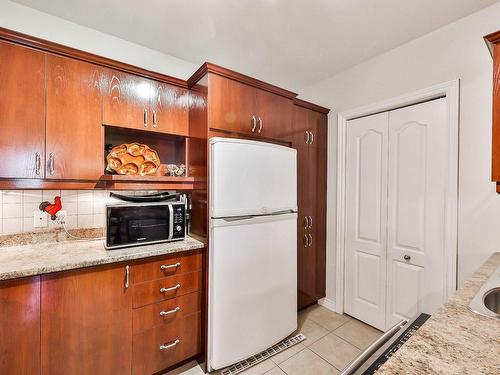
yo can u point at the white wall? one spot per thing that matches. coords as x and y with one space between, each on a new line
454 51
42 25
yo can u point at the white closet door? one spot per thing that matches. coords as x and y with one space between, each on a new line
366 219
418 154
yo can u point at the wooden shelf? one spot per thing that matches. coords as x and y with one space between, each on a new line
128 178
125 182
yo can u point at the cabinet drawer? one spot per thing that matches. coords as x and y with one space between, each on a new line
166 266
166 288
149 358
166 312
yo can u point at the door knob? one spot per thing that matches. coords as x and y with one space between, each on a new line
406 257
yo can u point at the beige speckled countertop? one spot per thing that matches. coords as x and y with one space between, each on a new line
52 256
454 340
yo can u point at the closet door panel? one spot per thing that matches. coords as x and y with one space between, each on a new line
418 153
366 214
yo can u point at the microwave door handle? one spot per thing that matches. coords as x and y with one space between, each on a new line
357 362
170 222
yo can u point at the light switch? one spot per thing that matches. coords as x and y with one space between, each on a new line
40 219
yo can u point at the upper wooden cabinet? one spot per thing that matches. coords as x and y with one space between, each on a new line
239 107
86 322
131 101
74 143
493 41
22 128
20 326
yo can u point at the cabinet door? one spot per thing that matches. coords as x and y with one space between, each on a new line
74 143
274 115
231 106
22 129
495 159
20 326
86 322
170 107
126 100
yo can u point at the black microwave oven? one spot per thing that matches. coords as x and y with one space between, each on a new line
132 224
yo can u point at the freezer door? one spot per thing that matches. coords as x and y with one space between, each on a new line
251 178
252 286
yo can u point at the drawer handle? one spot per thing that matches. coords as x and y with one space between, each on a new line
164 290
167 267
171 345
163 313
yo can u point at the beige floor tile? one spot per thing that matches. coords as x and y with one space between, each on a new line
313 331
283 356
275 371
191 368
357 333
327 318
335 350
307 363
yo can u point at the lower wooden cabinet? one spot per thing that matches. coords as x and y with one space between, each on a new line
20 326
84 321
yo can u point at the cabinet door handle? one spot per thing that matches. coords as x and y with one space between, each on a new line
254 123
127 275
171 345
306 222
145 118
310 239
51 163
173 311
38 163
310 222
305 241
170 266
312 138
261 124
164 290
307 137
155 123
407 257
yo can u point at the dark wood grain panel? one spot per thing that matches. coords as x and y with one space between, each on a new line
171 109
20 326
149 316
73 121
86 322
149 291
22 116
150 269
495 159
231 105
125 99
148 358
276 114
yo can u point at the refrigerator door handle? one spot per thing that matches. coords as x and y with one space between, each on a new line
238 218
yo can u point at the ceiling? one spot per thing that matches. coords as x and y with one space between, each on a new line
292 43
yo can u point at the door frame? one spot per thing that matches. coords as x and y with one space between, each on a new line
451 91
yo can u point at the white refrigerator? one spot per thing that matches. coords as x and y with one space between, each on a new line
252 250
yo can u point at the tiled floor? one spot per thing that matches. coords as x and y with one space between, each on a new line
333 340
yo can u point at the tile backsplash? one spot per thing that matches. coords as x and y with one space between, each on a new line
85 208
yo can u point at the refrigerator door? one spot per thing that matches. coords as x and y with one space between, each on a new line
253 286
251 178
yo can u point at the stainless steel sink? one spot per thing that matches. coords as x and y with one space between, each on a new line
487 300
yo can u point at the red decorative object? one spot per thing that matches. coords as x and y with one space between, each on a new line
51 208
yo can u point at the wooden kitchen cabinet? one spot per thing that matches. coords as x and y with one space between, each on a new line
310 140
274 115
86 325
74 134
493 41
20 326
131 101
22 128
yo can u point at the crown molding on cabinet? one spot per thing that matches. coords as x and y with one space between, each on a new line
491 40
59 49
231 74
311 106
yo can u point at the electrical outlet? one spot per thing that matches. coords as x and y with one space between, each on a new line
61 218
40 219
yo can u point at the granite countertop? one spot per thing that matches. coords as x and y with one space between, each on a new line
454 340
52 256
